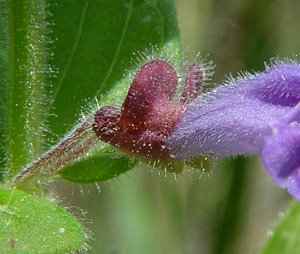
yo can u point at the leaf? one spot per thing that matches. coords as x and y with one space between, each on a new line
94 48
286 235
29 224
97 166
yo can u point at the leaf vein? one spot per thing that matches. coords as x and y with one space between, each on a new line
103 84
74 48
163 22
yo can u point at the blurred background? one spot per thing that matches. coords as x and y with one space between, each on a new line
233 207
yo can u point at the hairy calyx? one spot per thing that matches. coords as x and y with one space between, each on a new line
150 112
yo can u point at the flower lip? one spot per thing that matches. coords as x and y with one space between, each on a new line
155 81
280 157
281 85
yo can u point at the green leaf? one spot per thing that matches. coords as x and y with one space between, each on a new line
98 166
94 45
29 224
286 235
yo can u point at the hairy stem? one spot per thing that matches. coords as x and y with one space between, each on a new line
3 83
28 53
76 143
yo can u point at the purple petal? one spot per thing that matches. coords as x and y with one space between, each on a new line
280 85
234 118
280 154
257 114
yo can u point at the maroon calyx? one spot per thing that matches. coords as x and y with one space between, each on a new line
148 114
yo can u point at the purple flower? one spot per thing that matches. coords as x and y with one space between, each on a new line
256 114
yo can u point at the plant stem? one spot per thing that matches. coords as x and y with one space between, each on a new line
3 81
76 143
28 53
226 234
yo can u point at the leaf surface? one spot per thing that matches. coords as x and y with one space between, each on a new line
29 224
94 45
286 236
97 166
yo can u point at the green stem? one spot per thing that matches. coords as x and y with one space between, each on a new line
3 82
28 71
226 233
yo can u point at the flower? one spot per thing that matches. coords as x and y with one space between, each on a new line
150 112
256 114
